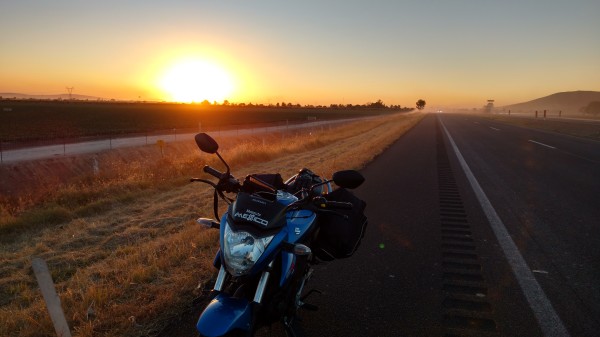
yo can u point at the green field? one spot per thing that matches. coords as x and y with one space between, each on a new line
28 120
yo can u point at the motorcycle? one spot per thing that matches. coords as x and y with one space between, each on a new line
271 236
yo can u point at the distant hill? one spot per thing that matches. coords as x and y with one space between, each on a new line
9 95
571 101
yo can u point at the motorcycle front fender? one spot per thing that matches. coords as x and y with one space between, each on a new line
224 314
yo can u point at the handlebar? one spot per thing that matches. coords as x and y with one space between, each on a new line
213 172
324 203
340 205
227 182
231 184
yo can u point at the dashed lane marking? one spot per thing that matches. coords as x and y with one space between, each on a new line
542 144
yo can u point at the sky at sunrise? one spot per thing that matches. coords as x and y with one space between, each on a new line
450 53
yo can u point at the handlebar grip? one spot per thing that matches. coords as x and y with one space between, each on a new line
213 172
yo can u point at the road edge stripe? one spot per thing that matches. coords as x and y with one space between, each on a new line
548 320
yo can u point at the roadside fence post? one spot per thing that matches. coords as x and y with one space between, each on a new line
535 113
95 166
161 145
509 112
544 114
559 113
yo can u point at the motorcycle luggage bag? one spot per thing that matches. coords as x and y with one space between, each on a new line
340 236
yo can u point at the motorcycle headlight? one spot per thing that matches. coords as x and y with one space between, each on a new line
242 249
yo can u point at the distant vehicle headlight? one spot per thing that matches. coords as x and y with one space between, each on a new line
242 250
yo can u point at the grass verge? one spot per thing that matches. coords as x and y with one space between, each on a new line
126 254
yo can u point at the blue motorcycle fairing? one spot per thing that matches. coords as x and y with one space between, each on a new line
269 252
221 234
298 223
223 314
217 260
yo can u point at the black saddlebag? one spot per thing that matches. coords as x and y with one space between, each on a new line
340 235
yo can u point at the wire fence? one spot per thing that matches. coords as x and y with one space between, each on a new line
14 150
549 113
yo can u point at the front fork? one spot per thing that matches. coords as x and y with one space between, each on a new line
260 288
302 253
227 306
307 276
304 272
262 284
220 279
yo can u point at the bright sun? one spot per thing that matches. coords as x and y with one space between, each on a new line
196 81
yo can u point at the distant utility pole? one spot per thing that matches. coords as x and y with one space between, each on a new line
70 90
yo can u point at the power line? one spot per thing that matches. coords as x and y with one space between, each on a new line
70 90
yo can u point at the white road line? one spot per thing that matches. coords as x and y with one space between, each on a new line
493 128
542 144
548 320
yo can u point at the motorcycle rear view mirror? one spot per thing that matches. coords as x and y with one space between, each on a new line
206 143
348 179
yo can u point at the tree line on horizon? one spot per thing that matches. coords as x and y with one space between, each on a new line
370 105
379 104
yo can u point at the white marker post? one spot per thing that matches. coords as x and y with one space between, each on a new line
40 268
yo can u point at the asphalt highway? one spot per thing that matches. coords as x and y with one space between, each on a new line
431 264
476 228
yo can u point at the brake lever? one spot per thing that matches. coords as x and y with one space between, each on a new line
203 181
310 205
329 211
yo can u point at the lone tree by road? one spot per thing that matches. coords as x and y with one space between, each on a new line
420 104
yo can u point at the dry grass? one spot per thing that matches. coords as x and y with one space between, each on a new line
124 250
